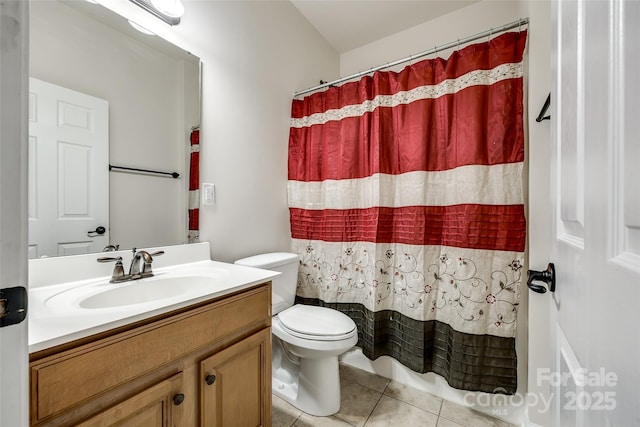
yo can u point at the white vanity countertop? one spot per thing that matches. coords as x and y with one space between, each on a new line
55 316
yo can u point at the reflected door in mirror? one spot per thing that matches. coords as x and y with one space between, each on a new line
68 171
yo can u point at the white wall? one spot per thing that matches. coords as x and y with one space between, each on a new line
150 115
254 56
462 23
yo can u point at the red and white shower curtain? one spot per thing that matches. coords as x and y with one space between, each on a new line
406 204
194 186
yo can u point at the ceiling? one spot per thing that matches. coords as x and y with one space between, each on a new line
349 24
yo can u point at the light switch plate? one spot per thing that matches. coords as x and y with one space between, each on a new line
208 192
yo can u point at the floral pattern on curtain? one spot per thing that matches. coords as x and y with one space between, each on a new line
194 186
407 210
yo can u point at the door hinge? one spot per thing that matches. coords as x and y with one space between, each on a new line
13 305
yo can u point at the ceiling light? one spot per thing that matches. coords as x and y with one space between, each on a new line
172 8
169 11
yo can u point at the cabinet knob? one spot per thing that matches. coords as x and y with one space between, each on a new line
210 379
178 399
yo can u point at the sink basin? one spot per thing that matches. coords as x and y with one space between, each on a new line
104 295
146 290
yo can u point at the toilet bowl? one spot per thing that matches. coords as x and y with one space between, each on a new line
306 341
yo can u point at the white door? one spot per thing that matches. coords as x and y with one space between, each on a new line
594 313
68 171
14 66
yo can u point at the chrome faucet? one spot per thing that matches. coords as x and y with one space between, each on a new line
135 271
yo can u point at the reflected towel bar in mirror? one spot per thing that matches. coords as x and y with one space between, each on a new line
145 171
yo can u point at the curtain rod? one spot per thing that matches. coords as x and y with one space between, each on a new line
514 24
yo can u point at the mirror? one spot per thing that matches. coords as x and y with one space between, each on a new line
140 96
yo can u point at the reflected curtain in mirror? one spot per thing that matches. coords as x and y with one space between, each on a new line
407 209
194 185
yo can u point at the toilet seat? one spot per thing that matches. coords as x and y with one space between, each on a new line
316 323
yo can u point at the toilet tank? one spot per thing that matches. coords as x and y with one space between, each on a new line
283 287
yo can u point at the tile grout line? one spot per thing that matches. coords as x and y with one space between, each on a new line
296 420
383 393
416 406
438 414
374 407
439 411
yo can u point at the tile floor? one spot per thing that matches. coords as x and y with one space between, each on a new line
369 400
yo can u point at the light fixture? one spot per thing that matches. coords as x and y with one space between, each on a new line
169 11
172 8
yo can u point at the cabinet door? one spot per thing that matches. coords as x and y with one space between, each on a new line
235 387
158 406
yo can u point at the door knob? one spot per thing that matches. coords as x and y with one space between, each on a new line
547 276
13 305
210 379
99 231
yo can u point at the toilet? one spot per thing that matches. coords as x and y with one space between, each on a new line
306 341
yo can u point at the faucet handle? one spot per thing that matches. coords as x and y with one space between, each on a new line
118 269
146 267
110 259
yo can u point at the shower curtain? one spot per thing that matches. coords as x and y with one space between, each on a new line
406 207
194 186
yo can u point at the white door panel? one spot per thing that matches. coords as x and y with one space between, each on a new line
594 316
69 182
626 156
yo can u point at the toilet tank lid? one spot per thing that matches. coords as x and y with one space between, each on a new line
270 260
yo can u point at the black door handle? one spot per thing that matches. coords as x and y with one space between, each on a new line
13 305
99 231
547 276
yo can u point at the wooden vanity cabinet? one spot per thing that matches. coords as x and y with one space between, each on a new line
204 365
156 406
235 383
